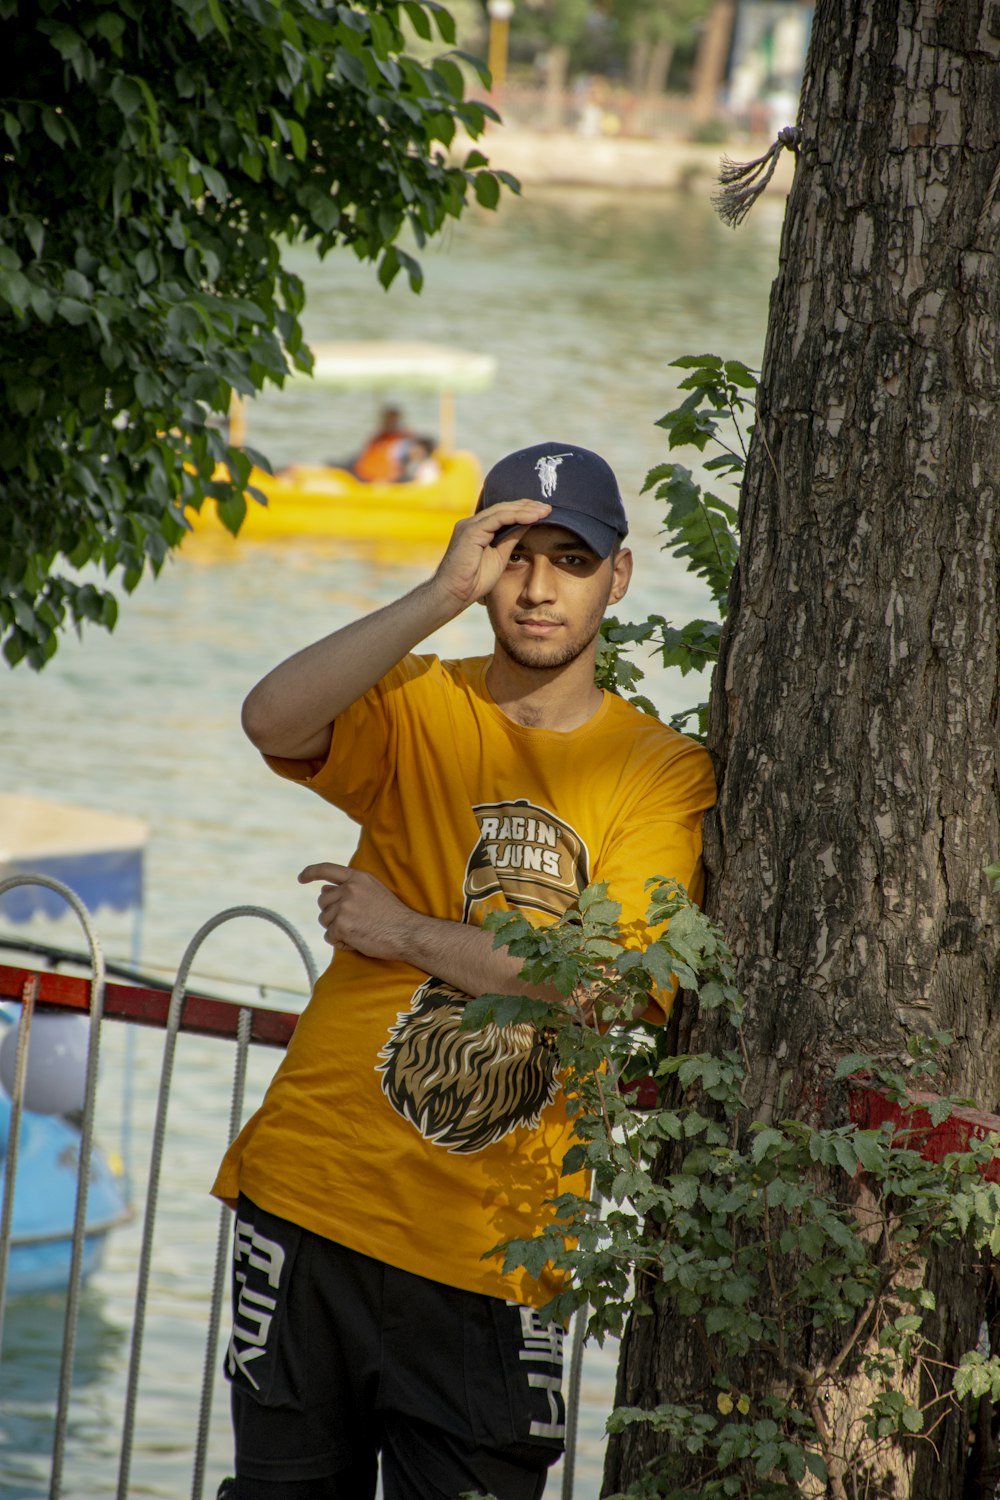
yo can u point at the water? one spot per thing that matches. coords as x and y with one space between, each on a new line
584 299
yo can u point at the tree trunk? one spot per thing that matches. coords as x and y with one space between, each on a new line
649 64
637 54
556 73
856 705
711 59
661 55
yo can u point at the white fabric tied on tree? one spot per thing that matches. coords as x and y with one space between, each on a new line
743 182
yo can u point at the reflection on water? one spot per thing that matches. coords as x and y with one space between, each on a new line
33 1329
584 299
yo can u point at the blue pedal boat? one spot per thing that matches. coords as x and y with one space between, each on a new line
45 1201
99 856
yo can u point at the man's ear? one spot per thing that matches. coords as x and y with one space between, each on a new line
621 575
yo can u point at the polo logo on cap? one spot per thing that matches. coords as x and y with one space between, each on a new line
546 468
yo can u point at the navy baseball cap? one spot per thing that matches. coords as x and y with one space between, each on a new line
579 485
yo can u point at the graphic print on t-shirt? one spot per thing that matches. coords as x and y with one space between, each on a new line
465 1090
527 855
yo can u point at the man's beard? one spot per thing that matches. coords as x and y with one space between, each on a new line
545 656
539 657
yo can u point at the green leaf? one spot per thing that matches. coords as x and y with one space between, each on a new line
218 18
215 183
446 26
232 512
413 271
15 289
252 165
816 1465
740 375
870 1151
766 1140
854 1062
351 69
321 207
419 19
913 1419
126 93
389 267
41 302
441 127
148 390
35 232
697 362
110 26
487 189
297 137
77 285
72 310
450 75
54 127
381 35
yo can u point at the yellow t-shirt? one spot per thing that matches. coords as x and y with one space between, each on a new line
386 1128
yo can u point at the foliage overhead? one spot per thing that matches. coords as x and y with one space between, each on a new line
153 159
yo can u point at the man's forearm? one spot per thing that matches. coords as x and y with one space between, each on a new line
290 711
465 957
357 911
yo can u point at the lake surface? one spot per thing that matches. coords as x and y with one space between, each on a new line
584 299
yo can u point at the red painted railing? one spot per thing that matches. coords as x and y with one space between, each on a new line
202 1015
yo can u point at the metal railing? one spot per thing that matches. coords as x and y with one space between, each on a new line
204 1016
181 1011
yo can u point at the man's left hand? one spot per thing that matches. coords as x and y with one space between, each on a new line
359 913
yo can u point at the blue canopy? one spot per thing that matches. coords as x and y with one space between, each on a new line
98 855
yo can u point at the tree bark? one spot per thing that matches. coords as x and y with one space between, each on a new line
856 705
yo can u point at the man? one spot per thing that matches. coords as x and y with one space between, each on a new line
393 1149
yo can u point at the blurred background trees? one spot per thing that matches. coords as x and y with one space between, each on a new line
583 64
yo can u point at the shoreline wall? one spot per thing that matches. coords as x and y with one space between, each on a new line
567 159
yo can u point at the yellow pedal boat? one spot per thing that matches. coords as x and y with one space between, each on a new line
317 501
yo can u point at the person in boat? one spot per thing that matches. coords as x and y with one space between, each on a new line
382 457
394 1150
419 464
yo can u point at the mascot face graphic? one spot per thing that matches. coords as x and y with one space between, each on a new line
465 1090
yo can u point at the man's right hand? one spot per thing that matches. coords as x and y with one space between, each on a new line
291 711
472 563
